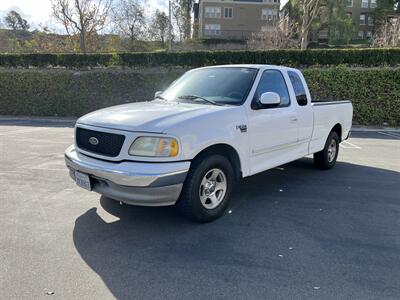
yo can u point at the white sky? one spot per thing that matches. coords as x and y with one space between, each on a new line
38 11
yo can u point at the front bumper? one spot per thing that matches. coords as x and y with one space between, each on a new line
147 184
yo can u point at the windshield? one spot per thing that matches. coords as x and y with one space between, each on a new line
227 85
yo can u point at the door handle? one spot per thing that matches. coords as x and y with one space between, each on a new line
293 119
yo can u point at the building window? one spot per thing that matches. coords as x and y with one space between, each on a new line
270 1
213 12
370 20
349 3
362 19
361 35
228 12
373 4
369 34
212 29
266 28
364 3
269 14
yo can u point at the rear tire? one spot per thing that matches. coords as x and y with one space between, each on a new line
207 188
326 159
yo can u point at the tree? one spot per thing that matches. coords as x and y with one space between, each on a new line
281 35
388 34
187 8
160 26
129 18
387 22
177 18
385 9
333 19
82 17
309 10
182 17
15 21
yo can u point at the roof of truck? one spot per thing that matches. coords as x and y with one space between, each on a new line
254 66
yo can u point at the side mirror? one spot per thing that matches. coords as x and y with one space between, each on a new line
270 99
158 93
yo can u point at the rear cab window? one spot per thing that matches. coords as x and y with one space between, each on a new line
298 88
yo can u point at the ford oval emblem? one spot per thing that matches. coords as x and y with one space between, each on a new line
93 141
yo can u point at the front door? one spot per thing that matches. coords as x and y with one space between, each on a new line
273 130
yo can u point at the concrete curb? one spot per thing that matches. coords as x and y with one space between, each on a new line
37 119
372 129
73 120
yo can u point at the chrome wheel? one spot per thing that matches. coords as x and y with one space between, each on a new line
332 149
212 188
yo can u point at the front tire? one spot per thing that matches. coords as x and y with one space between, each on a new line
207 188
326 159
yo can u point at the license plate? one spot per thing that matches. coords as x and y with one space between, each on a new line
82 180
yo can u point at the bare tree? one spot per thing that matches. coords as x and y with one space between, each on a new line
82 17
281 35
395 31
129 18
310 9
187 6
179 18
181 13
160 26
388 34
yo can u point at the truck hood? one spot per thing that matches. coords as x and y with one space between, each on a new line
154 116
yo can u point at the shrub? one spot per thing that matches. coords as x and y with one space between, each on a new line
59 92
295 58
375 93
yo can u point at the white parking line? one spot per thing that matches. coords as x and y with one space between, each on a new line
347 144
345 147
391 134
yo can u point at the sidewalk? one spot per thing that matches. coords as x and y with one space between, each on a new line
358 128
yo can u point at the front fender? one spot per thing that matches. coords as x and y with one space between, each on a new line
217 129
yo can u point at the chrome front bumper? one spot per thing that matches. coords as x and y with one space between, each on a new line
147 184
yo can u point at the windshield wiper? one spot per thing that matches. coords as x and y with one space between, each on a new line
160 97
195 98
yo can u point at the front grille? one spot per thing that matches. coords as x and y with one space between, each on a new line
108 144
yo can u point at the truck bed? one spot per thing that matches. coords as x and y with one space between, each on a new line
327 114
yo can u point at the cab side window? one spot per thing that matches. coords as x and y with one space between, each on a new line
298 87
273 81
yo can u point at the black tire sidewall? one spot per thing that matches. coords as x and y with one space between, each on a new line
192 186
332 135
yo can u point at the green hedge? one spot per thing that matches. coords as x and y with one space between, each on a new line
297 58
52 92
375 93
60 92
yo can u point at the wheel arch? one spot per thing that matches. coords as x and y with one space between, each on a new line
338 129
227 151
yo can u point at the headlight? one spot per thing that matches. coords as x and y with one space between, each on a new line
154 146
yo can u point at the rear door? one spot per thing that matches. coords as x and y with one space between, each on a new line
273 130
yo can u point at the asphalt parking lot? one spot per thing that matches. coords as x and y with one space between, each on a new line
293 232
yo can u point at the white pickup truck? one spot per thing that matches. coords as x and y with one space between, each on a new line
212 126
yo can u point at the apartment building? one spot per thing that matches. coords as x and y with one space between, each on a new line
361 11
235 19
